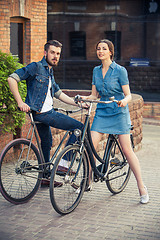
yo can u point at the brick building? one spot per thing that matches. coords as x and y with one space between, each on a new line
23 28
133 26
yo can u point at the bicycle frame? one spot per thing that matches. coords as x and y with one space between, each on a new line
77 179
22 165
112 139
33 130
89 145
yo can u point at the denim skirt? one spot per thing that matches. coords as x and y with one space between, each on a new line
112 121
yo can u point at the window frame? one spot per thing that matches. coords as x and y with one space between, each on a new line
19 20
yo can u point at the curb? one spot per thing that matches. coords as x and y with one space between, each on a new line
151 121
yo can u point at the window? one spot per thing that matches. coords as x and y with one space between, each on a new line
115 37
49 36
17 38
78 44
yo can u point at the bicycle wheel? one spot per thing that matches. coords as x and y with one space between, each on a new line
20 171
119 170
66 195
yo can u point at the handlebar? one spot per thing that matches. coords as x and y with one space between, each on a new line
111 99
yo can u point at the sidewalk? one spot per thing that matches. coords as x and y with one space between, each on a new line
100 215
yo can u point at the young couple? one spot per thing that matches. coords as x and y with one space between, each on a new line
109 79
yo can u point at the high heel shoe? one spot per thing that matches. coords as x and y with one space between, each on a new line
144 198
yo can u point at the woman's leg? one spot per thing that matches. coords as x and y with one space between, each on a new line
133 161
96 137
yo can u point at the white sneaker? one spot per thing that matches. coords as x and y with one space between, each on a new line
144 198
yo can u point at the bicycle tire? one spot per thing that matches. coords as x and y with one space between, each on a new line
19 176
118 170
66 197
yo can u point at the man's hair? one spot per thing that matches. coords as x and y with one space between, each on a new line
53 43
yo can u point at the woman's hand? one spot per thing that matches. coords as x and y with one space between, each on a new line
122 103
128 97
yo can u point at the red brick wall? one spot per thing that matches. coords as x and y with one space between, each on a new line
151 110
34 14
38 28
4 26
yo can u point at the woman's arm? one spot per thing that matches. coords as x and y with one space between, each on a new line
93 95
128 97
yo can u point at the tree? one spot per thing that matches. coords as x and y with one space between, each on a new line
11 118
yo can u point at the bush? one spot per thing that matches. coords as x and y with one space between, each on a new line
10 117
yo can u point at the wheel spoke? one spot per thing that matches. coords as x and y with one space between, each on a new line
19 182
119 171
66 197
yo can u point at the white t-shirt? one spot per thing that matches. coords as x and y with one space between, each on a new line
48 103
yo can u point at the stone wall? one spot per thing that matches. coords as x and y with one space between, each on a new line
151 110
136 114
135 107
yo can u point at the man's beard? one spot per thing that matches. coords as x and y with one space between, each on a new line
50 63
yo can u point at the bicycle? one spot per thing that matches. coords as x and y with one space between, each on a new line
22 164
113 168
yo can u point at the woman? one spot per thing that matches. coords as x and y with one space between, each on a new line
111 79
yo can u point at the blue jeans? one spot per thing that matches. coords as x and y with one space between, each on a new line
56 120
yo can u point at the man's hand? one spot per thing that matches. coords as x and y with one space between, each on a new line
24 107
84 104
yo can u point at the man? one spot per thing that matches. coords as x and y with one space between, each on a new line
41 88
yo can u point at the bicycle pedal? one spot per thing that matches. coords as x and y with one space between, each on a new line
115 161
47 173
96 179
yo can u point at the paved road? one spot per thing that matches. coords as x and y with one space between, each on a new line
100 215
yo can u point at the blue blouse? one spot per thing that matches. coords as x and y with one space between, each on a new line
110 118
111 84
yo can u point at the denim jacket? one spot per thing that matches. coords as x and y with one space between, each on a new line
37 76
